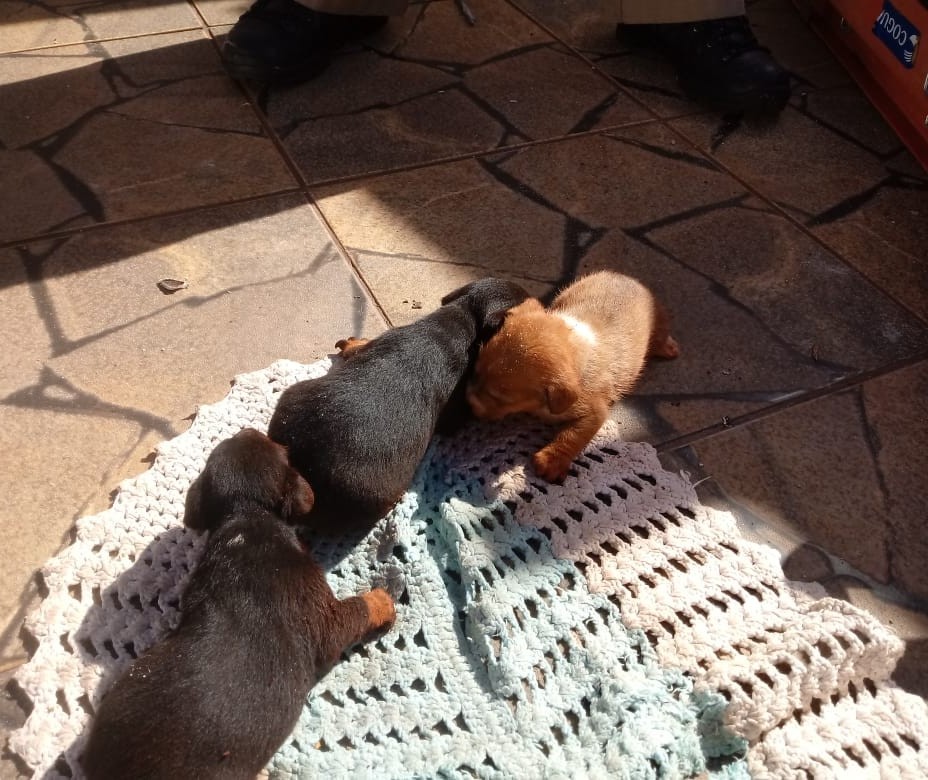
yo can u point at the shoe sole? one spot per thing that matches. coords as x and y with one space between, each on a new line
245 67
771 100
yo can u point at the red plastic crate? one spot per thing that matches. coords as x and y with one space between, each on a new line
873 40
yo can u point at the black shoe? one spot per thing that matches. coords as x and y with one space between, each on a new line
281 41
719 62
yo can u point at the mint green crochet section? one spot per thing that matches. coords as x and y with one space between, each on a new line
502 664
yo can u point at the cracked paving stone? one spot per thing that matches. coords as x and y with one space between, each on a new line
125 129
811 470
29 25
77 451
431 87
265 282
897 411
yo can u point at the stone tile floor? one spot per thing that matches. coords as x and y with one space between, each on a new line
533 145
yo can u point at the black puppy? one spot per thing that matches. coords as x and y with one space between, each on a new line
358 433
260 625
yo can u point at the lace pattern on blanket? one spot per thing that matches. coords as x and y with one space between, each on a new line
512 654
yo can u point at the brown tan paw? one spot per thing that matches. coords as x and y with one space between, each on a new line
350 345
381 613
550 466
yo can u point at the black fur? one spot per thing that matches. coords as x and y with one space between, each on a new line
260 624
358 433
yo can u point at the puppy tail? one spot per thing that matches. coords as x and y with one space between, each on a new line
194 511
298 498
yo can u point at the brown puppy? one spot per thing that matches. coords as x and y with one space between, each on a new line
571 362
260 626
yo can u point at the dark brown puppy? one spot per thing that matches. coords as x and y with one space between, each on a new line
358 433
260 625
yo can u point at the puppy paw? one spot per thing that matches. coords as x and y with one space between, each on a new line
348 347
381 613
550 466
392 581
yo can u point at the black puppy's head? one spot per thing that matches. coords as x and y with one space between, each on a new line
246 470
488 301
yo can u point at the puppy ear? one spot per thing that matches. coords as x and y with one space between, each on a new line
492 323
528 306
195 514
459 293
298 497
492 305
560 396
488 301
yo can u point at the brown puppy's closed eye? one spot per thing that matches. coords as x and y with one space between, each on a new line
571 362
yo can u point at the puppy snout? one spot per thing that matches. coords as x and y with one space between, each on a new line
485 407
476 404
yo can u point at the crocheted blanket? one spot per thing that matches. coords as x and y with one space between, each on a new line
607 627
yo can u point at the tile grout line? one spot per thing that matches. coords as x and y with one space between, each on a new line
303 186
191 4
297 174
343 250
781 211
205 28
655 117
92 41
303 189
204 25
464 157
666 121
800 399
592 65
652 117
94 226
306 187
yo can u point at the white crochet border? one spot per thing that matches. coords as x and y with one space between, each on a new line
807 679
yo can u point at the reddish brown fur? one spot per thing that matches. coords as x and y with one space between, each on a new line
541 364
380 609
350 346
